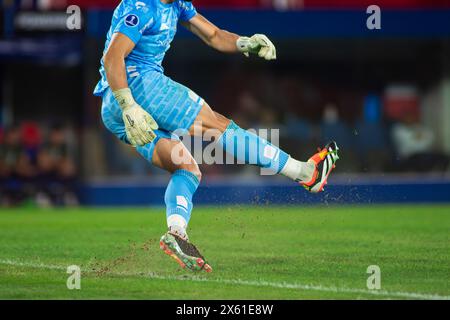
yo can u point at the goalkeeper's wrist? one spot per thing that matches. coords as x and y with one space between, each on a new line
242 44
124 98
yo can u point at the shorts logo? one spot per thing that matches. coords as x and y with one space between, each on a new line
131 20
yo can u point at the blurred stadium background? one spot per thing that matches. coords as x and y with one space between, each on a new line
384 95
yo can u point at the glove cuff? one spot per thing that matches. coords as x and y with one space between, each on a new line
124 98
242 44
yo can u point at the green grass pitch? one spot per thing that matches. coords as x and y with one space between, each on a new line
256 252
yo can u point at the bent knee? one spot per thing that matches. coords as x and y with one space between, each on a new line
222 122
192 168
209 119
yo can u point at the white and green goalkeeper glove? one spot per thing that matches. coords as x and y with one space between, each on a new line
139 124
257 44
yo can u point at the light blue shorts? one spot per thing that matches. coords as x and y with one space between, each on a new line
172 105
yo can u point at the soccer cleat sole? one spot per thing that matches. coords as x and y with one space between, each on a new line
193 264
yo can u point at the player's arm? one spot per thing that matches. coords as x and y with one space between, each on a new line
139 125
214 37
229 42
114 61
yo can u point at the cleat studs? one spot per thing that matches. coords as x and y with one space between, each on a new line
207 268
200 262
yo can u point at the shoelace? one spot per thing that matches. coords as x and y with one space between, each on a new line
335 152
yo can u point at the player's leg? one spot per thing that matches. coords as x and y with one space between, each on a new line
246 146
170 154
184 181
185 174
249 148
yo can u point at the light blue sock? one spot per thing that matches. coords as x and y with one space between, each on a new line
248 148
178 199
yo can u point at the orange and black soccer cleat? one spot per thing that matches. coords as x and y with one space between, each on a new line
325 162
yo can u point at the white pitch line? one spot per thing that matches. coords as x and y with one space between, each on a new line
257 283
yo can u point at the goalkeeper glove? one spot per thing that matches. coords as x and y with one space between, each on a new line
139 125
257 44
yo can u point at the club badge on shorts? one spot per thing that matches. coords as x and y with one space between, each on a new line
131 20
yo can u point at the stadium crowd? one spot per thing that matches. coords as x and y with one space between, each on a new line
37 166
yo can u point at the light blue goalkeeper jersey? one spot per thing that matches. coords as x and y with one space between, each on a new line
151 25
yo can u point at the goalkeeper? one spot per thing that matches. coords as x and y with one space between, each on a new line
142 107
